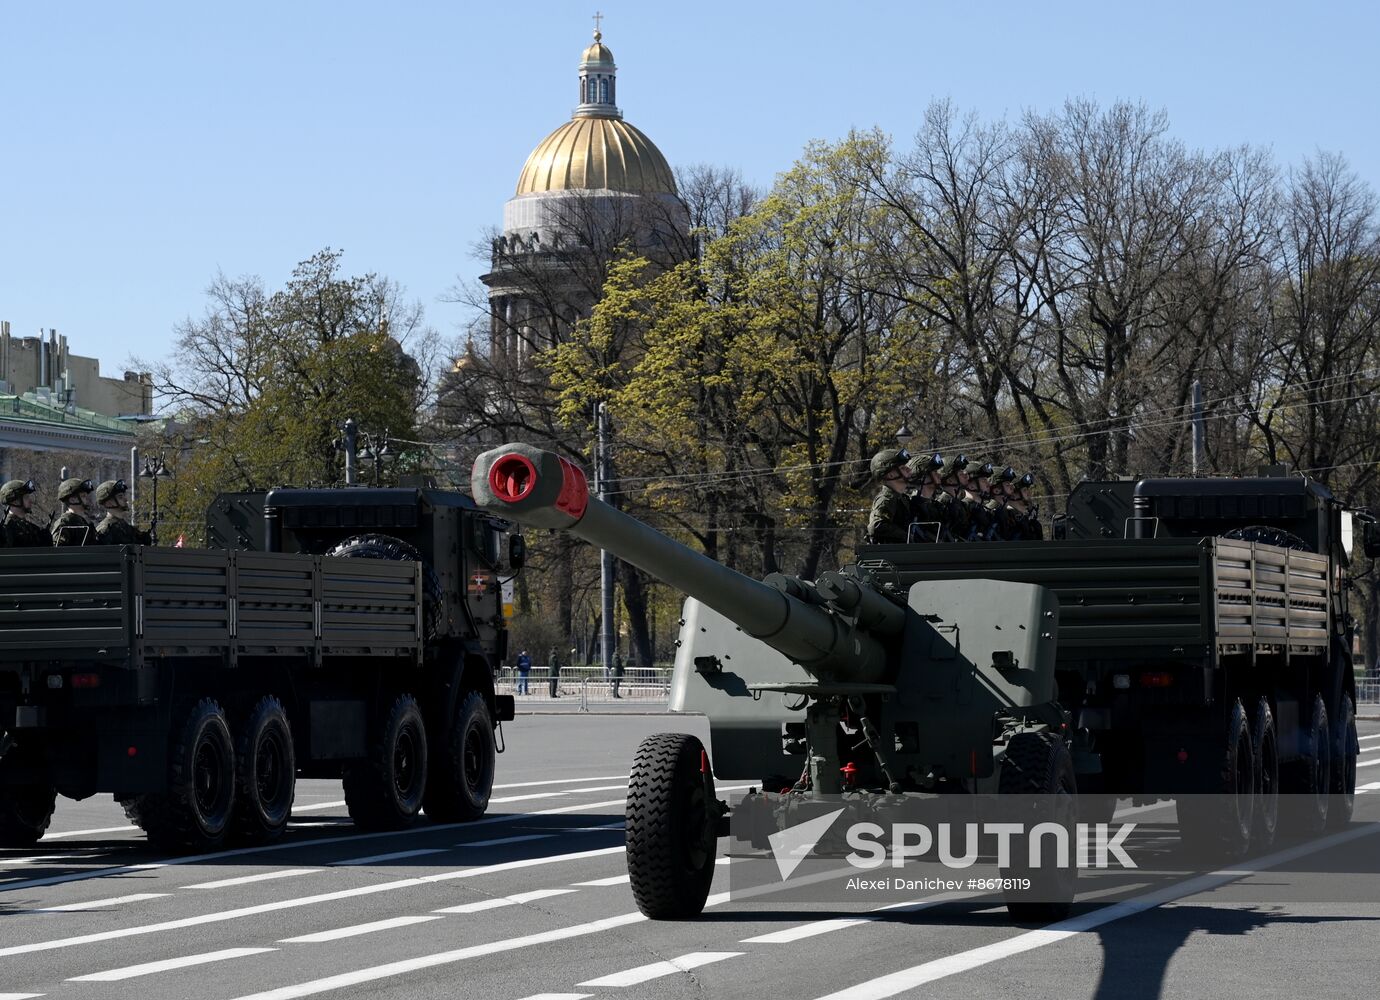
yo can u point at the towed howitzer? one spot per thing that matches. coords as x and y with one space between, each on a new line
919 690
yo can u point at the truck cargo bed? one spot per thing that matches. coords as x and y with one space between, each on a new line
1178 597
118 603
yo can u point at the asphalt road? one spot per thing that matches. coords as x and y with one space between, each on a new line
533 901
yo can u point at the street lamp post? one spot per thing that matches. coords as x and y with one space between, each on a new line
154 469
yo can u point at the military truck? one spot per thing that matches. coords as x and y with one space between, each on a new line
1205 644
325 633
1182 638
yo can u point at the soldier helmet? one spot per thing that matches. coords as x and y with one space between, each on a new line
887 459
959 463
984 471
1006 475
110 489
1026 481
16 490
74 487
922 464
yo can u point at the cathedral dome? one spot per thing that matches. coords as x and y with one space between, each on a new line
596 150
592 153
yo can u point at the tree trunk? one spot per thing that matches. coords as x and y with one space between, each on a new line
635 602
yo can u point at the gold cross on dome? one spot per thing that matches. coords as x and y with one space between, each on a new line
598 16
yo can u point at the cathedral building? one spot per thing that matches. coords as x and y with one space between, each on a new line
594 187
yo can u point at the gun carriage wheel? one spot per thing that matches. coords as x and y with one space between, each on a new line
672 820
1040 766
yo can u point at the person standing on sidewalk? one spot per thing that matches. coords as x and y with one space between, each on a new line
524 667
554 659
617 672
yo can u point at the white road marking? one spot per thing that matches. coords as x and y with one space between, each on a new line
614 880
505 840
1372 736
817 927
378 972
307 807
1371 787
97 904
1368 763
534 996
32 996
66 834
563 781
563 792
395 856
515 900
292 845
167 964
226 883
289 904
358 929
646 973
940 968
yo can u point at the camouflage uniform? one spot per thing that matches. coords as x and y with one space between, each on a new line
73 527
114 530
889 520
16 530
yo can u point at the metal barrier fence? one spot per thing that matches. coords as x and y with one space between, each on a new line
1368 691
586 686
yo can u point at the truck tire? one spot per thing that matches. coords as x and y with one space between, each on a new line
388 547
671 826
462 770
1217 822
1306 792
195 809
1344 750
1265 745
384 791
265 774
1039 764
25 812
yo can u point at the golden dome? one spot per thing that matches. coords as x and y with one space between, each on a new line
592 153
597 53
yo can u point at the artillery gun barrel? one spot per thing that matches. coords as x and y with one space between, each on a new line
543 490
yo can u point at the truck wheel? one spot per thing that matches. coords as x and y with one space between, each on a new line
384 791
388 547
266 773
195 809
1343 786
459 784
1218 820
1039 764
25 812
1266 749
671 826
1311 777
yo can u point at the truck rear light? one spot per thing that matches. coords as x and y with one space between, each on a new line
1156 680
86 680
132 752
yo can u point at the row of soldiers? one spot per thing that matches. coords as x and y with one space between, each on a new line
79 523
925 499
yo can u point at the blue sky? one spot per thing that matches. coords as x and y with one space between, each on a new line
144 146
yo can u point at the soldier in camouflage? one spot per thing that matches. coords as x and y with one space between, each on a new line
889 520
1027 512
114 529
18 531
929 514
73 526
